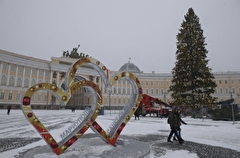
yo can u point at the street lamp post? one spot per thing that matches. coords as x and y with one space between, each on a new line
52 102
232 108
233 114
109 90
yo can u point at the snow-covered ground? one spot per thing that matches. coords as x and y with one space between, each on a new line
217 133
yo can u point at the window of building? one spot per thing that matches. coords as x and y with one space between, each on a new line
151 83
156 91
233 91
45 98
152 92
156 83
119 101
128 91
33 82
220 82
40 72
146 83
2 96
232 81
225 81
146 91
34 71
27 70
119 90
221 92
26 83
226 90
20 69
39 98
19 82
11 81
47 73
18 96
10 95
13 67
4 80
5 66
124 91
162 91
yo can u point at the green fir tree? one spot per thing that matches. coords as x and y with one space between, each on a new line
193 83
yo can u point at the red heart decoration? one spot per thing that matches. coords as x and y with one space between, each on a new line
84 121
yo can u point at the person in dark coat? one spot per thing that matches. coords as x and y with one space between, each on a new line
136 114
173 121
73 109
180 122
9 109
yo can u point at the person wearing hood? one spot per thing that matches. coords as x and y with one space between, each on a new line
173 122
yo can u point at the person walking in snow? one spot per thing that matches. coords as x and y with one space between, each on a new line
136 114
180 122
9 109
73 109
173 122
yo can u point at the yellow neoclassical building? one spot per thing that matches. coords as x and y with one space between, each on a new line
18 73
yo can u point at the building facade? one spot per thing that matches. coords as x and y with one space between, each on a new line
18 73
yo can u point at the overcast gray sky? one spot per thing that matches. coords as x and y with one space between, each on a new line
113 31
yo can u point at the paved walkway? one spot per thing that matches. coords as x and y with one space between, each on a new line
93 147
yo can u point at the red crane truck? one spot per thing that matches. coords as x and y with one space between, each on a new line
154 106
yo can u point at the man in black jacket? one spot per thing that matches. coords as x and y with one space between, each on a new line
9 109
180 122
173 122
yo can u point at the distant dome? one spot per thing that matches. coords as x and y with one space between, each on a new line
129 67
